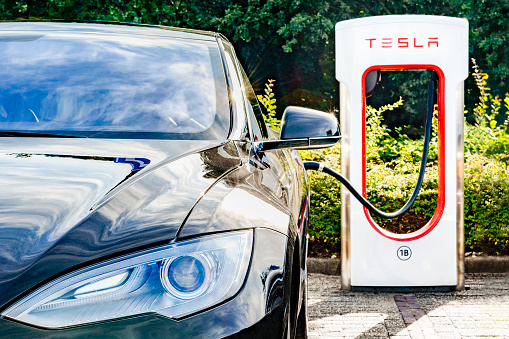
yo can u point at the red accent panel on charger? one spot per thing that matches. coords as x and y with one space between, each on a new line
441 153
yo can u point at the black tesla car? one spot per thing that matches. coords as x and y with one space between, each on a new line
142 193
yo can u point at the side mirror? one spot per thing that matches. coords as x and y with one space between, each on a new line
304 128
372 78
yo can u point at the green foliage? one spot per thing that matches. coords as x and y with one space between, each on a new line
292 39
489 115
492 119
305 98
392 170
269 102
389 185
486 205
477 139
487 19
304 31
412 85
499 148
325 216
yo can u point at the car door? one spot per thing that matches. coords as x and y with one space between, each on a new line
284 177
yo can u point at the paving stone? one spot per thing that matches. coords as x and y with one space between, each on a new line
449 335
428 331
444 328
409 320
416 334
482 311
425 323
396 331
440 320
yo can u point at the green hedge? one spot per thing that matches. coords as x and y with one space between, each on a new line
486 205
393 165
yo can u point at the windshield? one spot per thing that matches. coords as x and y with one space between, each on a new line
112 85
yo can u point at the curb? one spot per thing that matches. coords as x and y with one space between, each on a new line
487 264
329 266
483 264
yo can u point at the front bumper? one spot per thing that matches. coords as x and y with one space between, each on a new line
257 310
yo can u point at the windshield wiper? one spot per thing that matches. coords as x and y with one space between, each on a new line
35 134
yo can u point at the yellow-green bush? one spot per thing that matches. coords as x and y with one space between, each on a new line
392 170
486 205
390 184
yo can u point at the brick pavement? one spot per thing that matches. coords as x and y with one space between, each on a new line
480 311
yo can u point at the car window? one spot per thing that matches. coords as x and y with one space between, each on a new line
236 91
255 112
110 85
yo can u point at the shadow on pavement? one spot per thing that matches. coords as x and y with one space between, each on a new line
480 311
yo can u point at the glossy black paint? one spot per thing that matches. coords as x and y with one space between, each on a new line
257 311
300 122
73 202
303 128
66 210
372 78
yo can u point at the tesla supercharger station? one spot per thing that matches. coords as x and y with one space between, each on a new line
433 256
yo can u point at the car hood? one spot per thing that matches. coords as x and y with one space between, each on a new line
67 203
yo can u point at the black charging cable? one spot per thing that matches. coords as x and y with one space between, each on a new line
316 166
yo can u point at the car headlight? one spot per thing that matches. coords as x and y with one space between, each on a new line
174 281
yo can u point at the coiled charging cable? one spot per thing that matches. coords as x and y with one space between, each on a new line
316 166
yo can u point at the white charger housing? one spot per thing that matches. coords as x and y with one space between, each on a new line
433 256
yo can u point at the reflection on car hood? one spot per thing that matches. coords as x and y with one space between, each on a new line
69 202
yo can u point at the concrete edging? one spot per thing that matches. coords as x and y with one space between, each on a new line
481 264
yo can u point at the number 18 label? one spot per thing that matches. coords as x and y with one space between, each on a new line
404 253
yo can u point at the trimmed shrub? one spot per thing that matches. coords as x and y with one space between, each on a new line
486 205
392 171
